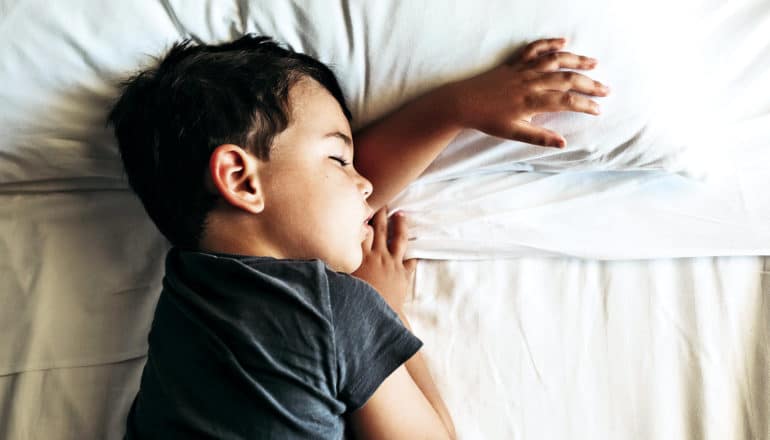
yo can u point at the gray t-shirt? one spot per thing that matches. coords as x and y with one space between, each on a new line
261 348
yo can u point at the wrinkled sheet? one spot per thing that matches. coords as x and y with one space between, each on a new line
567 348
596 215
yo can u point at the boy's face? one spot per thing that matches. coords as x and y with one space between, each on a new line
314 207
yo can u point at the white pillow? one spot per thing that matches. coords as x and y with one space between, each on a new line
60 61
389 52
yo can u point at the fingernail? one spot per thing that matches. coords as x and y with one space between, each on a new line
400 213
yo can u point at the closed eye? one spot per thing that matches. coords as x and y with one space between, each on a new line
340 160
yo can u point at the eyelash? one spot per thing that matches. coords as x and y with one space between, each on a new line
340 160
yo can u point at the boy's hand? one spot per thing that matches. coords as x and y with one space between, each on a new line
502 101
383 266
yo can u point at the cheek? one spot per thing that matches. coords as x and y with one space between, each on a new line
325 200
297 184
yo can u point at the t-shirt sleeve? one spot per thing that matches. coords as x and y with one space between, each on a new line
370 339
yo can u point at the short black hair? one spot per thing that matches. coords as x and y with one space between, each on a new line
170 118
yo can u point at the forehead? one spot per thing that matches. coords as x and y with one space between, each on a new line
316 120
313 108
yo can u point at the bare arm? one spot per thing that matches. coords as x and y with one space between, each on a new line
418 369
398 409
407 403
396 149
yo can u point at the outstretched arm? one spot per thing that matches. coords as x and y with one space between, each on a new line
396 149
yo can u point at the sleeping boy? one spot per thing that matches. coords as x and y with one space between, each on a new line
281 310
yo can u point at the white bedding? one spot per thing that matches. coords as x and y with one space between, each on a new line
567 348
61 59
521 348
599 215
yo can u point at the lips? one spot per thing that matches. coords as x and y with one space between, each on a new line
366 227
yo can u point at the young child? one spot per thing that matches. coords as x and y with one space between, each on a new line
281 313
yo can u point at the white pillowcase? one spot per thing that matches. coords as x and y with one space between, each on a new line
389 52
61 60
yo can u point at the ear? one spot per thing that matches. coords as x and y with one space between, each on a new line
233 173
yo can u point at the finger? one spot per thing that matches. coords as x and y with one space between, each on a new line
366 245
410 265
525 132
539 47
566 60
411 268
566 81
400 235
554 101
380 229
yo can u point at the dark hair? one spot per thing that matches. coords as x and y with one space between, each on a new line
171 117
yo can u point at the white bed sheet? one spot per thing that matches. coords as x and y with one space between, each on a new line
597 215
80 274
570 349
546 348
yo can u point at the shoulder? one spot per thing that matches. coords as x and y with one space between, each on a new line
342 281
292 271
254 284
349 292
352 297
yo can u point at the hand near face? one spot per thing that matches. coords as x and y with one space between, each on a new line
383 265
502 101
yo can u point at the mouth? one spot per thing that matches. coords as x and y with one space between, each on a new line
366 227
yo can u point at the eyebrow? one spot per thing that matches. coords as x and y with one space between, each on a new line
340 135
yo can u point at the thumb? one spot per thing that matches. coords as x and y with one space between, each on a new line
525 132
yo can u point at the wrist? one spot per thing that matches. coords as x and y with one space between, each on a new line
448 105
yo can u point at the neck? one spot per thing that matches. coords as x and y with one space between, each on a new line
225 234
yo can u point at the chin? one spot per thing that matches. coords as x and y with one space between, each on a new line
346 263
353 262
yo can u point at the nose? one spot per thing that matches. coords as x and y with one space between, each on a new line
365 185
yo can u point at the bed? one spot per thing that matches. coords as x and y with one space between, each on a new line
618 289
